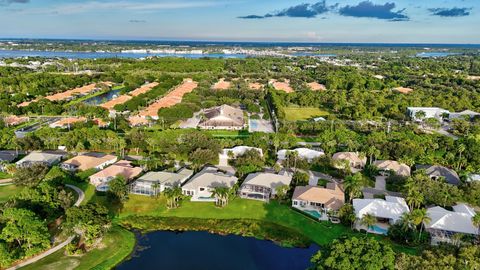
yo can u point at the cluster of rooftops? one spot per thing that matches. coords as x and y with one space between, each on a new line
321 202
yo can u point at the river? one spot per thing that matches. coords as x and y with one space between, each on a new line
202 250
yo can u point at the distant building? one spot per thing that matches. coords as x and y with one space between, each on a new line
41 157
223 117
436 172
445 224
262 186
201 185
387 166
153 183
235 152
68 122
88 161
466 115
303 153
354 160
473 178
429 112
318 199
124 168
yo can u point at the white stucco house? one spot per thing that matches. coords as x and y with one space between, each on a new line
201 185
303 153
430 112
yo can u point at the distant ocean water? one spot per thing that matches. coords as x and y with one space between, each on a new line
250 44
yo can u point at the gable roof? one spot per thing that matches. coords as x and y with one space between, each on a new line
332 196
8 156
269 180
439 171
458 221
391 207
210 177
392 165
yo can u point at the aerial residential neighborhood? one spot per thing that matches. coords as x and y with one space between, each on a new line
212 135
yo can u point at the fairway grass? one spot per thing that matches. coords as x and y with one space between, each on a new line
117 244
303 113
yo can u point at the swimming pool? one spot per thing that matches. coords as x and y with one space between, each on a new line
378 230
313 213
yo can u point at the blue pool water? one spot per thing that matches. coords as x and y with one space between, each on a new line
253 124
378 229
202 250
313 213
435 54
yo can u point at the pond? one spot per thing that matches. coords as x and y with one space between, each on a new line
202 250
96 100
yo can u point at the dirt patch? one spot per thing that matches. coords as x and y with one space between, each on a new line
222 85
314 86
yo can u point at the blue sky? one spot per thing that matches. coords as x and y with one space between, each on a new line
403 21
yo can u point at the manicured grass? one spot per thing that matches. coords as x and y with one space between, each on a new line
302 113
228 133
4 175
117 244
8 191
321 233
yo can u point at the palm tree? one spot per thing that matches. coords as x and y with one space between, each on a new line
414 198
173 196
368 221
461 148
476 223
353 186
222 195
156 187
406 221
420 217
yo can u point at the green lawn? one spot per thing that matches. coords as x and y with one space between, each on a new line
321 233
228 133
116 246
302 113
7 191
4 175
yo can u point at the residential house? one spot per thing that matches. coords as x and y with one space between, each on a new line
318 201
387 166
222 117
262 186
153 183
87 161
429 112
387 212
353 159
466 115
124 168
67 122
436 172
444 224
473 177
201 185
7 157
41 157
303 153
235 152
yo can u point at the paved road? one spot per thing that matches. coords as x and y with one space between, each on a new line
81 197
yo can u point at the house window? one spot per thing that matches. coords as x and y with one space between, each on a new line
202 189
295 203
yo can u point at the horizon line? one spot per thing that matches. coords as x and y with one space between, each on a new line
233 41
